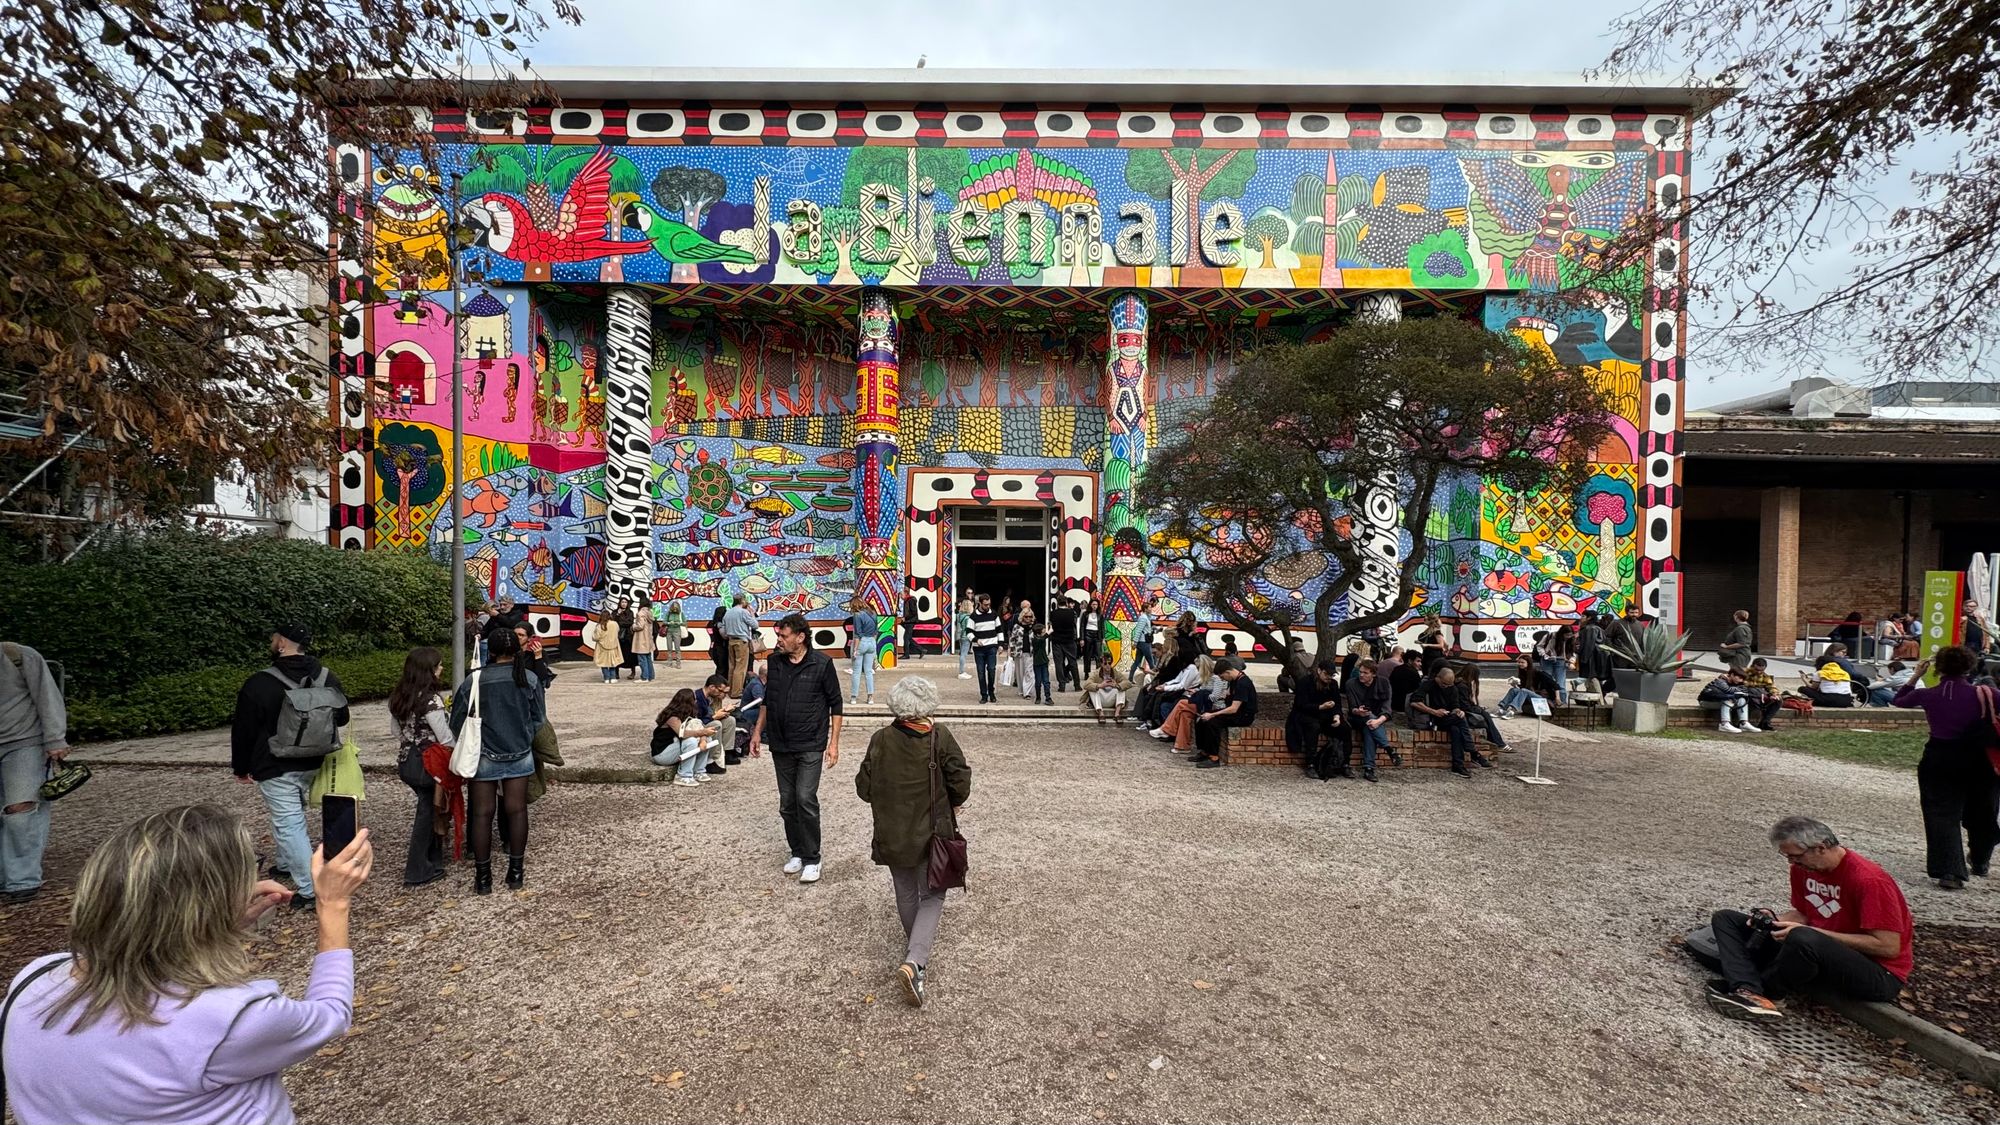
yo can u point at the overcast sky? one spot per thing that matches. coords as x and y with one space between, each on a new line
1407 41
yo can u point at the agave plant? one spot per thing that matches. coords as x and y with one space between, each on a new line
1657 651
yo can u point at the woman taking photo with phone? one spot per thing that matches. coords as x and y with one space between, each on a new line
417 713
511 710
155 1013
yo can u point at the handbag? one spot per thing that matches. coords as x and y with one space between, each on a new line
339 775
947 859
1007 672
465 755
64 778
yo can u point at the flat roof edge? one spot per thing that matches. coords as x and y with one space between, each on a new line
1215 86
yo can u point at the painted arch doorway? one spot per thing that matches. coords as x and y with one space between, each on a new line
1003 552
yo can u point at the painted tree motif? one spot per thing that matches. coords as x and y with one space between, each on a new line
410 460
1002 179
1221 172
1606 507
691 191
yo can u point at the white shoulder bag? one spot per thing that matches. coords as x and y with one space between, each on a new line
465 754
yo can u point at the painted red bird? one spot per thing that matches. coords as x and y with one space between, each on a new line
506 227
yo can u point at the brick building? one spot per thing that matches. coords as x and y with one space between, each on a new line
1821 499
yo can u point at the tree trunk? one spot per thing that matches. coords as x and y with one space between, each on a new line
403 479
1269 251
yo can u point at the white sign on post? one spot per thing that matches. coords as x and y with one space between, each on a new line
1539 707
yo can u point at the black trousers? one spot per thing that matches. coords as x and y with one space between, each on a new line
984 658
1066 670
1208 737
798 800
426 858
1959 794
1807 960
1321 745
1091 655
1461 737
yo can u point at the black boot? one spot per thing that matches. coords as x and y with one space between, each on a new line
516 877
482 878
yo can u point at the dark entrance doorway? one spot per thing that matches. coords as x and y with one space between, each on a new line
997 570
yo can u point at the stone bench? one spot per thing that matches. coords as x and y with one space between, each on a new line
1421 749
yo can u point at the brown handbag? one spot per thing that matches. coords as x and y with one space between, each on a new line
947 865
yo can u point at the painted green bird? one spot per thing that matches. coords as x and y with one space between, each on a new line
678 242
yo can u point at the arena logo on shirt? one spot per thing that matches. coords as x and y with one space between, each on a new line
1824 897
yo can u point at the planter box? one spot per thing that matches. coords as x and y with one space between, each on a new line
1638 717
1643 687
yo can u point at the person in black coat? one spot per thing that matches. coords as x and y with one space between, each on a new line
1315 730
283 782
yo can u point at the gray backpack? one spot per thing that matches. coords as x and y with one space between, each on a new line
306 725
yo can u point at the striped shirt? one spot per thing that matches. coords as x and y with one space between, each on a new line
985 629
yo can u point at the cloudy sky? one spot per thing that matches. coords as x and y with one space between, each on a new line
1486 39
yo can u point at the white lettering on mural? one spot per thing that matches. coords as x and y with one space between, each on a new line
882 210
1138 242
968 231
1222 234
802 239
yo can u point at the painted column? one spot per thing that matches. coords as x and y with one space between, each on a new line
877 476
628 442
1378 503
1124 457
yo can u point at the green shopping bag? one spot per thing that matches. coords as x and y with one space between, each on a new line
340 774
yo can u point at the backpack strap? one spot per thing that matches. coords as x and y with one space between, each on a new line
7 1009
284 679
319 681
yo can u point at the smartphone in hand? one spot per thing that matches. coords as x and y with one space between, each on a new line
339 819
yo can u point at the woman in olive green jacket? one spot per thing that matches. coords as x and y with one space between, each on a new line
910 803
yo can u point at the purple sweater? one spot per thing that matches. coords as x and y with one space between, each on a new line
1952 706
215 1060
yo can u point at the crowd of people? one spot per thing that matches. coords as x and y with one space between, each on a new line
211 1040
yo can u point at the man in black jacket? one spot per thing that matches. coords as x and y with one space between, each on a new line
1062 638
284 782
1314 730
801 716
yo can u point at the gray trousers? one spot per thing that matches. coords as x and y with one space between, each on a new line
23 835
920 908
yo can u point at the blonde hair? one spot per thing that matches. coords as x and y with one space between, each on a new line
1204 666
158 913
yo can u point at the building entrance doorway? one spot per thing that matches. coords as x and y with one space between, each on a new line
999 551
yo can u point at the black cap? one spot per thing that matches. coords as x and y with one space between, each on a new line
300 635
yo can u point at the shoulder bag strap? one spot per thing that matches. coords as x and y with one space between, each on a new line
936 768
7 1009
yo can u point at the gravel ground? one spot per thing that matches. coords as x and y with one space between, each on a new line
1423 949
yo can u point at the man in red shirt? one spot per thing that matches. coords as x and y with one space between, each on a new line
1848 931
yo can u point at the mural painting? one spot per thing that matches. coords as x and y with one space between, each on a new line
709 348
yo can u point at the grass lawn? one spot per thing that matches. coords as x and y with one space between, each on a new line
1890 749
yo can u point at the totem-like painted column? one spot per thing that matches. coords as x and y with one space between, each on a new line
877 477
628 442
1378 503
1124 457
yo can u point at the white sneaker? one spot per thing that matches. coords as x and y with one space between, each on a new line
1730 728
810 874
1160 734
965 675
1748 729
793 864
686 781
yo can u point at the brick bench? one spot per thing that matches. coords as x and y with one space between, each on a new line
1421 749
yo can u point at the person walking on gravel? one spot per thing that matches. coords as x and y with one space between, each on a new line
288 718
914 778
801 717
33 737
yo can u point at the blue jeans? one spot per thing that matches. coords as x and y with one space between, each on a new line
610 674
1516 699
863 667
1373 740
1558 671
985 658
23 835
1042 681
1142 651
684 767
285 795
961 656
645 665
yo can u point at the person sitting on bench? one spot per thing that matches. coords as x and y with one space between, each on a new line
1728 692
1435 705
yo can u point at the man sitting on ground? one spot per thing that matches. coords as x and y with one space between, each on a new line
1848 932
1728 692
1240 710
1435 705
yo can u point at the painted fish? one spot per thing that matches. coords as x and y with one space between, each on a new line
676 589
1558 601
583 566
715 558
754 584
1174 570
545 593
508 535
775 507
798 601
552 509
750 531
816 565
486 502
530 525
695 534
586 527
839 459
814 527
770 454
781 549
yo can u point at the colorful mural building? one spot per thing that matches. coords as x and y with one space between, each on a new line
884 336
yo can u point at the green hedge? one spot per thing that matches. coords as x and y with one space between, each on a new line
171 603
206 698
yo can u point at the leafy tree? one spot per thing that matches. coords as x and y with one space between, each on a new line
164 187
1266 232
1308 212
1222 172
1265 478
1827 98
539 173
691 191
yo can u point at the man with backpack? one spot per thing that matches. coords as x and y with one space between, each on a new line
288 717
